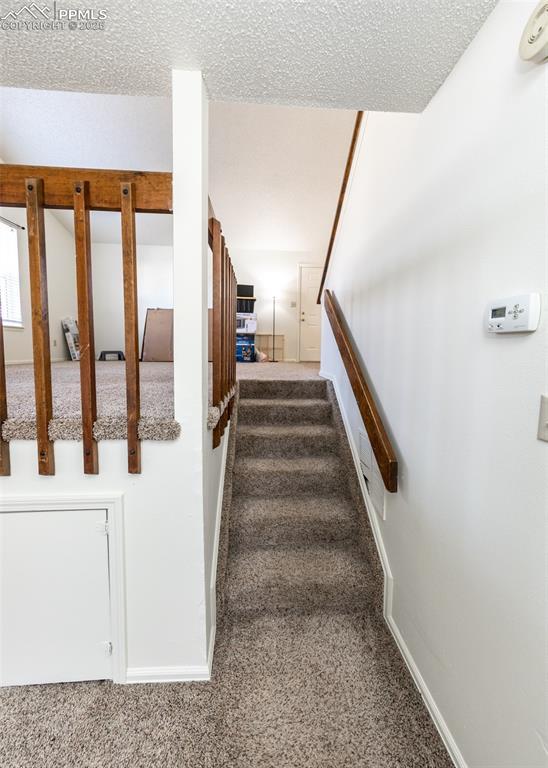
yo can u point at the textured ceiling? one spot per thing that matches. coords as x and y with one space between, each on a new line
361 54
275 174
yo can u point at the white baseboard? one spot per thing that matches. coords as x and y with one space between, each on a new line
211 648
29 362
435 714
167 674
443 729
215 556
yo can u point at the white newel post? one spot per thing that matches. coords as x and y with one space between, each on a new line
190 210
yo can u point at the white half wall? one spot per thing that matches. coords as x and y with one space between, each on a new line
447 210
163 564
61 267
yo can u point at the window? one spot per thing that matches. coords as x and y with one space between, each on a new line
10 296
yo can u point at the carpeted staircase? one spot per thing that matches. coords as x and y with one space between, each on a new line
294 538
312 675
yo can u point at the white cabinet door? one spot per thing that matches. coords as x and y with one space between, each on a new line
54 597
310 325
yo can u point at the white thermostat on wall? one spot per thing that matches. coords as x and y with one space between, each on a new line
516 314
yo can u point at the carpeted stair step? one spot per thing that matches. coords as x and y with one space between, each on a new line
280 411
320 475
331 578
269 440
288 390
263 523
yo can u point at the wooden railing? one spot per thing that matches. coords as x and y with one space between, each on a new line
340 201
80 190
380 442
224 329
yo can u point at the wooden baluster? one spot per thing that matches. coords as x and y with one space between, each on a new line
129 261
232 337
217 248
226 336
229 386
88 393
223 331
233 356
229 355
235 310
40 323
4 446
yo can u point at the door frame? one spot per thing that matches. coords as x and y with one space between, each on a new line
300 266
113 504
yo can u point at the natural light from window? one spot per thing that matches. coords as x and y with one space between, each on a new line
10 296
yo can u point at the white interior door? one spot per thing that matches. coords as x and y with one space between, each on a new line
54 597
310 319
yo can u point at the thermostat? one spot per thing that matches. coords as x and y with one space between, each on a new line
516 314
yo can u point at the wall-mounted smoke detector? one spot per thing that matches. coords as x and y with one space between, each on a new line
534 41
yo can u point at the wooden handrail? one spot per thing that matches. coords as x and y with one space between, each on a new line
380 442
342 193
153 189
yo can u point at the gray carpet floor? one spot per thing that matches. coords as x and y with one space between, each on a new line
157 412
306 674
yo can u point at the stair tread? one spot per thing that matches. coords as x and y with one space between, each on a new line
303 578
287 430
293 402
267 388
323 564
262 522
315 464
336 509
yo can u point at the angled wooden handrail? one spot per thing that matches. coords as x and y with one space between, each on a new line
380 442
342 193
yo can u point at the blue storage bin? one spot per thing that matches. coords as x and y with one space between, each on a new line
245 348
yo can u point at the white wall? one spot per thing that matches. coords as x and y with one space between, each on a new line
154 288
61 288
276 273
446 211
